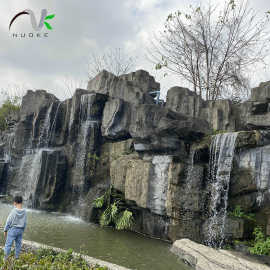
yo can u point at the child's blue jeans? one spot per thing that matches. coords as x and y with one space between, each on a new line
14 234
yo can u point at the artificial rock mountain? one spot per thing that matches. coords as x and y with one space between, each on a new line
62 155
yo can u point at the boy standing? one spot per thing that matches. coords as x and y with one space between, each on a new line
15 226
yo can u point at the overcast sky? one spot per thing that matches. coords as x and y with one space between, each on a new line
79 28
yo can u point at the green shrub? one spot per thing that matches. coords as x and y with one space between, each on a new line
238 212
47 259
261 243
8 107
114 210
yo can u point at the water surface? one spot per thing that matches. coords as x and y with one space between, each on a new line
123 248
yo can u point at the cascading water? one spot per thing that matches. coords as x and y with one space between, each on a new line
87 124
29 174
7 150
44 136
72 113
190 172
53 127
159 184
220 165
31 164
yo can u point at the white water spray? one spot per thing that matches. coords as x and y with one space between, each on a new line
220 165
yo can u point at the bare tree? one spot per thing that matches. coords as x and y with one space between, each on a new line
213 48
112 60
70 85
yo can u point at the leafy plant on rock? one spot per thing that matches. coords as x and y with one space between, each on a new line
239 212
261 244
115 212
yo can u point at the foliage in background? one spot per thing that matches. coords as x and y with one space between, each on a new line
213 47
46 259
13 92
9 107
261 244
114 210
238 212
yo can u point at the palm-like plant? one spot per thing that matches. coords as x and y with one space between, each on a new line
115 212
125 220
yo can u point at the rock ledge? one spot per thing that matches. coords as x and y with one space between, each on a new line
201 257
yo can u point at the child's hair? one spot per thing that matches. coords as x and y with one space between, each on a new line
18 199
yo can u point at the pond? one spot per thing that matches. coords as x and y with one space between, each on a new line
124 248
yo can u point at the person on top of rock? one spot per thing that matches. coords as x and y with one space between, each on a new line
14 228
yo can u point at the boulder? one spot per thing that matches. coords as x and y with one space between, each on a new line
261 93
82 104
152 224
142 79
255 113
201 257
144 181
186 201
184 101
234 228
34 101
121 156
116 119
33 113
137 182
150 120
120 87
220 114
258 121
250 179
153 128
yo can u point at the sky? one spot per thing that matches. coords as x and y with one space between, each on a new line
58 63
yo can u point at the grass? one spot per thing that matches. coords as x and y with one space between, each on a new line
46 259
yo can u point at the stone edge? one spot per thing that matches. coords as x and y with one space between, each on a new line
198 261
33 246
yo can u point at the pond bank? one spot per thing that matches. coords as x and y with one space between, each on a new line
30 246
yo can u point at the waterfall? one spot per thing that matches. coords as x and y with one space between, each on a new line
7 150
72 114
190 172
159 184
32 163
29 175
87 125
220 164
44 136
86 141
53 127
